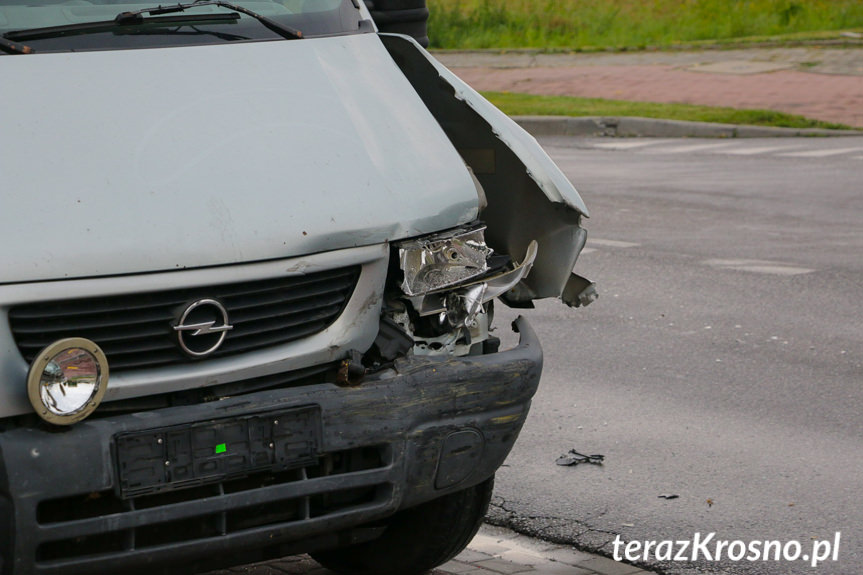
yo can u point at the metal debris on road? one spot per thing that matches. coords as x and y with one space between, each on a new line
574 458
668 496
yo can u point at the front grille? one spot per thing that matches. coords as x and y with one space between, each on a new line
136 330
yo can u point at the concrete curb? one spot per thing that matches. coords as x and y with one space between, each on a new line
628 127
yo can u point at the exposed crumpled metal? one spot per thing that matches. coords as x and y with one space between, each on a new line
572 457
436 302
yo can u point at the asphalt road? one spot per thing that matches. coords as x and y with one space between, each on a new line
722 363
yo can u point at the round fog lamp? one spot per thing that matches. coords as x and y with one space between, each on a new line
67 380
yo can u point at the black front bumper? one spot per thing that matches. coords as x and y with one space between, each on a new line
425 428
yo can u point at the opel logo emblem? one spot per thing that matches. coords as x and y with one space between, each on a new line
202 328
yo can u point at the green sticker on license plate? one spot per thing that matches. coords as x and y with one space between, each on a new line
221 448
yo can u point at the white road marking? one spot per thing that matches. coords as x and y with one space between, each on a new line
734 262
628 145
692 148
761 150
821 153
734 148
780 270
760 267
611 243
588 250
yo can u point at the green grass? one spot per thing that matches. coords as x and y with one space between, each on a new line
631 24
532 105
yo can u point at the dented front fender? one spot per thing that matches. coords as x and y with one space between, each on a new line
529 198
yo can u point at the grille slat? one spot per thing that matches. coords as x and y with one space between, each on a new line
101 305
115 351
136 330
104 334
287 319
100 321
126 342
334 286
265 340
286 306
142 360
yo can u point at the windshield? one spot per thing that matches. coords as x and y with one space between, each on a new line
76 25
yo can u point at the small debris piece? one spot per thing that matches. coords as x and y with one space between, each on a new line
710 503
351 370
574 458
668 496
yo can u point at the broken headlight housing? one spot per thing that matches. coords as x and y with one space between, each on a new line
447 281
443 260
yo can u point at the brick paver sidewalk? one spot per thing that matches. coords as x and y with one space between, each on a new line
820 83
494 551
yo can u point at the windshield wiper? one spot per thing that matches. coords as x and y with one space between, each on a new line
137 18
14 48
195 31
90 27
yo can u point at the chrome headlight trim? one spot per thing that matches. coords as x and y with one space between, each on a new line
68 380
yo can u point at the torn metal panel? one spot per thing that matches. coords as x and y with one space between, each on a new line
529 198
539 166
573 457
579 292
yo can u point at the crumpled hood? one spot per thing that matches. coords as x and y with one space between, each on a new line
135 161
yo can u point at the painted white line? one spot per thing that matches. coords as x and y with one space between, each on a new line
760 267
780 270
761 150
628 145
722 263
692 148
821 153
588 250
611 243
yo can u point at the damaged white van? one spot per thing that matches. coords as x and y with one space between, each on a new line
250 252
